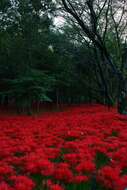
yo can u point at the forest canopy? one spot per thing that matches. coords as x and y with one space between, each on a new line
81 59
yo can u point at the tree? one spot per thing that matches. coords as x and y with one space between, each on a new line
42 62
25 58
95 19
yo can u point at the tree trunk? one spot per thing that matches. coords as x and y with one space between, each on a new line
122 97
91 31
103 82
57 98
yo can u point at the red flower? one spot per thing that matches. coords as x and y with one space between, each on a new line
22 183
47 168
109 176
86 166
53 186
121 184
63 173
56 187
5 186
5 169
37 145
80 179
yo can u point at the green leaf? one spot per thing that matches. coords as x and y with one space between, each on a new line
115 133
81 186
101 160
38 178
124 171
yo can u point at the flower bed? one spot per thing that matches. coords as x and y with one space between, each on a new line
81 148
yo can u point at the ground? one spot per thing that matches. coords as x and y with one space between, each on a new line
83 147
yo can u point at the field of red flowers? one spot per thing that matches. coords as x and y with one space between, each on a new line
82 148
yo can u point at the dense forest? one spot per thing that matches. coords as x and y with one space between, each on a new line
63 52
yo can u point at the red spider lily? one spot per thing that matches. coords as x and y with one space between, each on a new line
62 147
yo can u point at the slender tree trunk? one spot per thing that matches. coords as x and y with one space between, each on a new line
104 85
38 106
122 97
57 98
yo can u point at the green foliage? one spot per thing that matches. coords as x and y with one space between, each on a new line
26 90
31 71
101 160
38 178
124 171
85 186
4 4
115 133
